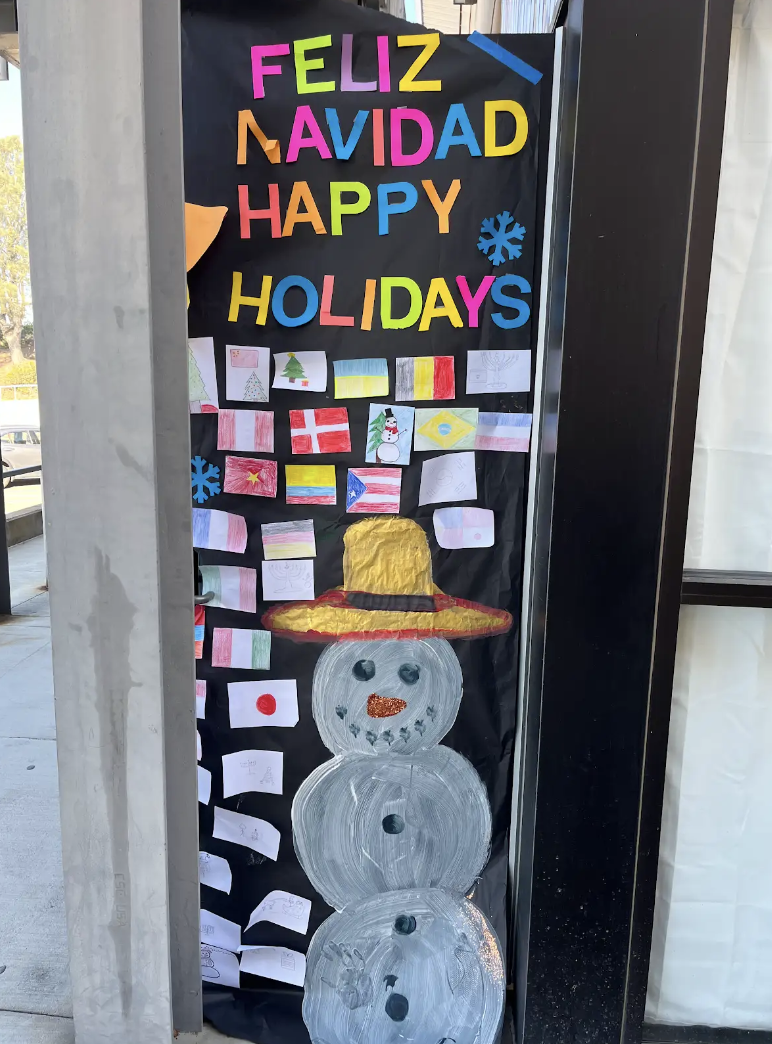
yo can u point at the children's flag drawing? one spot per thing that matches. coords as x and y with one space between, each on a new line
425 377
505 432
247 373
446 429
248 831
219 932
219 531
498 371
373 491
288 581
199 617
202 375
274 962
285 909
200 699
458 527
248 431
204 785
361 378
310 483
253 705
199 751
289 539
447 478
256 771
220 966
389 434
320 431
233 587
250 476
215 872
241 648
300 371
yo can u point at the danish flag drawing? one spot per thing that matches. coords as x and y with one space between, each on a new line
320 431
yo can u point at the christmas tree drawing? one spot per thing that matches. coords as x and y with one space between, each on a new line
267 780
254 390
197 388
293 371
376 432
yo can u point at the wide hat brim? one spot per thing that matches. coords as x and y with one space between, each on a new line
340 615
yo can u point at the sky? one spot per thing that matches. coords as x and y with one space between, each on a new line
10 104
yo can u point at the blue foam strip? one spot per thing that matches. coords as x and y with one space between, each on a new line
505 57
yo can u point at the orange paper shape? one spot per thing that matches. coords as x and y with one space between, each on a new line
201 227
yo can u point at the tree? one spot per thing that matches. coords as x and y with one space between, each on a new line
254 390
293 371
14 249
376 431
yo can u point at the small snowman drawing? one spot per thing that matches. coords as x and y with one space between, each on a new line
394 831
384 437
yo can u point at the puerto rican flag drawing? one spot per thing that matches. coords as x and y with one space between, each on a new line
373 491
320 431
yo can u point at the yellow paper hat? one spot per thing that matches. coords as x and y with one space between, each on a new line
387 592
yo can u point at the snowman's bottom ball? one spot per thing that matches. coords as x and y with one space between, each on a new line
370 982
367 823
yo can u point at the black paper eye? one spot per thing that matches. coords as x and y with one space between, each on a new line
364 670
409 673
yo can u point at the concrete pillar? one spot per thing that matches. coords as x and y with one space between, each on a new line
102 135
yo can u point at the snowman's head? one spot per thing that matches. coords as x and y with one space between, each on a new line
386 695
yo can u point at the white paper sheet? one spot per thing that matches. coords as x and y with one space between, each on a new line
198 745
253 705
202 375
220 966
285 909
448 478
247 373
460 527
290 580
257 771
243 830
204 785
217 931
274 962
498 371
214 871
309 370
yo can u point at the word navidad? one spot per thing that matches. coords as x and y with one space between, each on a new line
438 303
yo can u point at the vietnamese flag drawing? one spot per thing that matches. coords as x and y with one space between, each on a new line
255 478
248 431
198 622
426 377
320 431
255 704
373 491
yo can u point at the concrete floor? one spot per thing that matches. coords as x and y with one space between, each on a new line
35 999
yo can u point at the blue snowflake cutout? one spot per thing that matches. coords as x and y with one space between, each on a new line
500 238
204 479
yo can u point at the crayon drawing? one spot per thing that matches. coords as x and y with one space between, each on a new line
426 377
202 375
247 373
373 491
310 483
320 431
289 539
445 429
249 476
389 434
360 378
300 371
494 372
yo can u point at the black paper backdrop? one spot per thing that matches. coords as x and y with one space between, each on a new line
217 83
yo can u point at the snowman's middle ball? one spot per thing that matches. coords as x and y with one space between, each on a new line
386 695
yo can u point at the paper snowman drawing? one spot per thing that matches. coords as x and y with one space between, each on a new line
394 830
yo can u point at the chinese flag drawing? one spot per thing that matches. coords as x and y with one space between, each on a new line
248 475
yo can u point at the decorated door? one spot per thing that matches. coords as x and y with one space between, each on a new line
363 227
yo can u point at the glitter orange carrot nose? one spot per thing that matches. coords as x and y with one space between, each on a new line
384 706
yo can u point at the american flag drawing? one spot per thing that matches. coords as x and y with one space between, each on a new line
373 491
320 431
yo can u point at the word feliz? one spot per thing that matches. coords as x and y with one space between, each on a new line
438 303
427 42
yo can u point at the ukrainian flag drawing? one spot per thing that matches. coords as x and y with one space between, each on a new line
310 483
361 378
